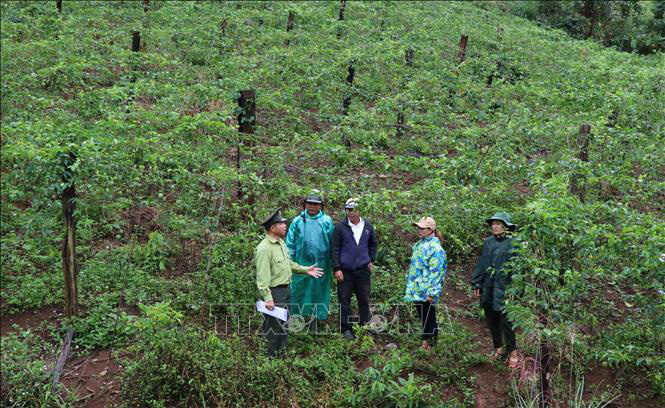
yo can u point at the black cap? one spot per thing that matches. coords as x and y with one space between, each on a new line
274 218
314 197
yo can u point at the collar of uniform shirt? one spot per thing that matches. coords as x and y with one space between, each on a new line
357 230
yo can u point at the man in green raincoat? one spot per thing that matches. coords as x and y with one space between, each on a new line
308 242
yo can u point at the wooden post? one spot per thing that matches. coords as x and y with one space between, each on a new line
60 364
496 72
410 52
583 138
136 41
222 27
400 123
462 47
613 118
289 25
69 242
58 5
247 116
246 123
349 80
289 22
222 34
341 10
582 143
146 5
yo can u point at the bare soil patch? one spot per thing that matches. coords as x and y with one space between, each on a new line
492 384
140 222
93 378
187 260
31 319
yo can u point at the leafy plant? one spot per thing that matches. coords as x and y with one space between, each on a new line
26 379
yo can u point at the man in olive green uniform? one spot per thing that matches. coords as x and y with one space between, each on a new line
489 284
273 275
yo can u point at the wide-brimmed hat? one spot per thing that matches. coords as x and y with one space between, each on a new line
503 217
274 218
314 197
426 222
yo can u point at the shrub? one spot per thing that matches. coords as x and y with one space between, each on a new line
26 377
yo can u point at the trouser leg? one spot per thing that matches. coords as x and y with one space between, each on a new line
273 328
508 333
362 287
494 324
344 292
428 321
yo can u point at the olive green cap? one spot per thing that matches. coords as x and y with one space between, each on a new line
503 217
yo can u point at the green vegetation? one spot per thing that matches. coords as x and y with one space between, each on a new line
167 218
25 377
629 25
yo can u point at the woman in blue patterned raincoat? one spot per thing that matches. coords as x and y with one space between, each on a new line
424 281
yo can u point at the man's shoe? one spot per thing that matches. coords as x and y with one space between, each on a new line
349 335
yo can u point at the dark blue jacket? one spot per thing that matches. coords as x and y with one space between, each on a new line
346 254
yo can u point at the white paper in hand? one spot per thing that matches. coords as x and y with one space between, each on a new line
278 312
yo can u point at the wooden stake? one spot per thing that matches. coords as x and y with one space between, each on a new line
289 25
410 52
400 123
222 27
289 22
462 47
146 5
136 41
583 138
60 364
69 242
246 123
349 80
247 116
582 143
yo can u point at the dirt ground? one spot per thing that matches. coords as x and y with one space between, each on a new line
492 384
94 379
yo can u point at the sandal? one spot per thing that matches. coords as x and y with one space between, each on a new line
513 360
497 355
426 346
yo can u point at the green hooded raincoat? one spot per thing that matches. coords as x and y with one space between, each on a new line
308 242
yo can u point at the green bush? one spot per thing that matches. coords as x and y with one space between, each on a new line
386 386
176 365
26 376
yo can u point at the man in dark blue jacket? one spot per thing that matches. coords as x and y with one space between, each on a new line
353 251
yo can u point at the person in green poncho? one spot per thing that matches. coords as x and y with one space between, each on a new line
308 242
